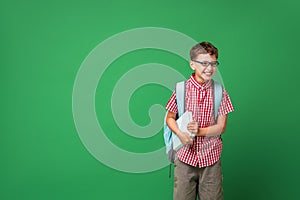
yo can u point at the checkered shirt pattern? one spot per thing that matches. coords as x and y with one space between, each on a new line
204 151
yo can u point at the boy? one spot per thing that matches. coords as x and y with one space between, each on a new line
198 167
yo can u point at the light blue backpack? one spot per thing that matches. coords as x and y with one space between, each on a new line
180 100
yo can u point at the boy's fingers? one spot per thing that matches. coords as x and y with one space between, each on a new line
189 140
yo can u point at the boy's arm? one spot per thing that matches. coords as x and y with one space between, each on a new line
185 138
216 129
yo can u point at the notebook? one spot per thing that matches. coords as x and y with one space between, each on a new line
182 123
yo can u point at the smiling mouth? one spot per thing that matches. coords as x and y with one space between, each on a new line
208 73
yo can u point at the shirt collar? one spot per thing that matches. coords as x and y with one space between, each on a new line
200 86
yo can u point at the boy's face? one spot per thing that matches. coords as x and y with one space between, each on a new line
204 73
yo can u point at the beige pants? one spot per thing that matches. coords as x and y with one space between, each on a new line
191 181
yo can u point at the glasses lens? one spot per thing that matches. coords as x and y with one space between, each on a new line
213 64
205 64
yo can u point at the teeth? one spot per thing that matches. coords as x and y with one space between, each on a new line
208 73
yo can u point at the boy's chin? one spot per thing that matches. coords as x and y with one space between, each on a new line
204 78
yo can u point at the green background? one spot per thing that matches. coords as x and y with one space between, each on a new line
43 44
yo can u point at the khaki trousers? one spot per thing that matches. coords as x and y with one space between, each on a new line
190 182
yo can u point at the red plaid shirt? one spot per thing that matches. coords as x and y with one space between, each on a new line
204 151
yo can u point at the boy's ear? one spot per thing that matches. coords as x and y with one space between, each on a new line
192 65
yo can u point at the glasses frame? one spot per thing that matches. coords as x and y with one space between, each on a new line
216 63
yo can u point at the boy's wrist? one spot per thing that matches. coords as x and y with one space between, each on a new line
179 133
202 132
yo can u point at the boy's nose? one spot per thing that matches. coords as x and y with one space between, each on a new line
209 66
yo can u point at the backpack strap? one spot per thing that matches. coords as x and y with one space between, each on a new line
218 95
180 100
180 97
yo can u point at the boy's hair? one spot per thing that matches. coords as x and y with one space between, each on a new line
203 48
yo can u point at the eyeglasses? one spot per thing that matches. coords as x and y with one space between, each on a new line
206 63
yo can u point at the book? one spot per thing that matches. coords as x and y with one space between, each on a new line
182 123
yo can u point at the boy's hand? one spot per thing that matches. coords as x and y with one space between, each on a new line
193 127
185 138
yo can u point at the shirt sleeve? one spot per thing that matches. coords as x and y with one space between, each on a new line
172 105
226 105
